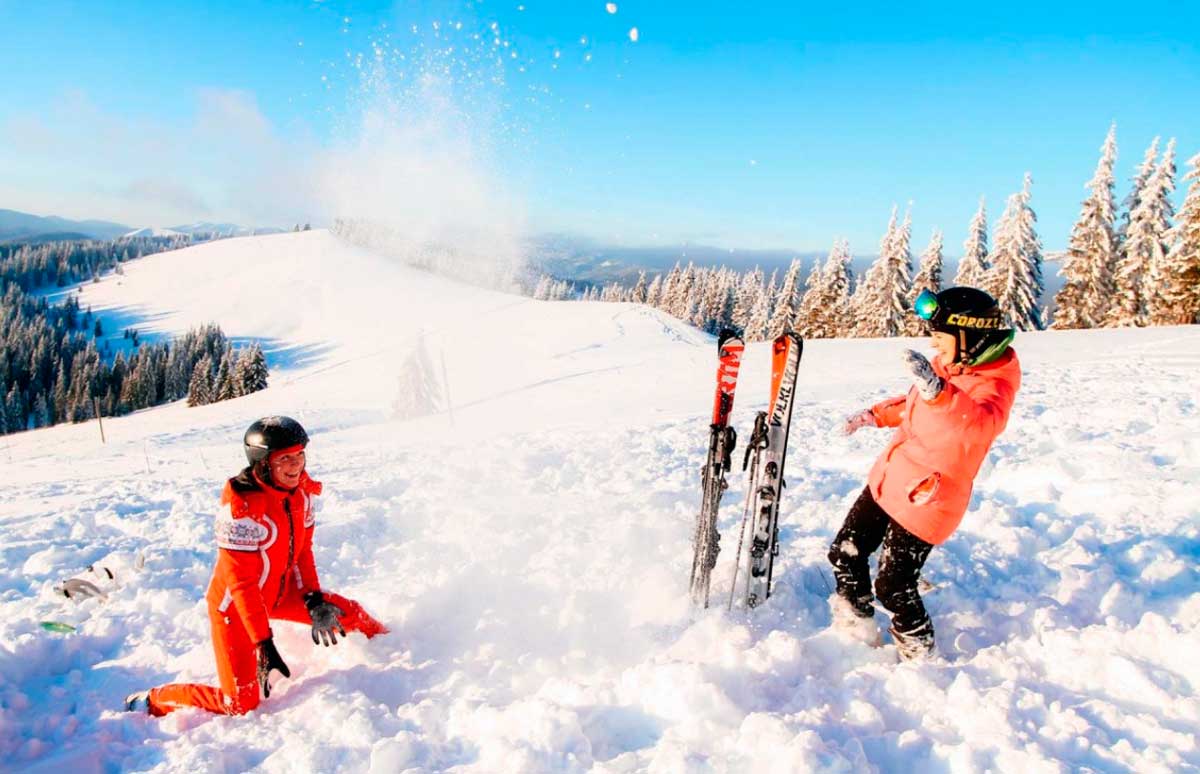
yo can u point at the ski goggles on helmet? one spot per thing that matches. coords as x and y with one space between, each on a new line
926 305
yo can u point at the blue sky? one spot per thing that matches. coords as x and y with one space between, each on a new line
783 126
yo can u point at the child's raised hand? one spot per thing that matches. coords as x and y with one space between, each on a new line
927 382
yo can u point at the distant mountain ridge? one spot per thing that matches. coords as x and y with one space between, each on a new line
153 232
22 225
581 260
224 229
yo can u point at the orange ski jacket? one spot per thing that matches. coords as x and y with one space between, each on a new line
924 477
264 542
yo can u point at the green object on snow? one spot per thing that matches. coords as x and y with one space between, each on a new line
57 626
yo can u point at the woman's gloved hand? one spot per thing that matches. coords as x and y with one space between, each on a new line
325 617
268 659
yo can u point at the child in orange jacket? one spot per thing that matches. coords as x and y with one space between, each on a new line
919 488
264 571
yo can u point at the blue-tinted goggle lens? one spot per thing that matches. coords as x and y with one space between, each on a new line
926 305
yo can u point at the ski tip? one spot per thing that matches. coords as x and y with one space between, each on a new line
789 336
727 335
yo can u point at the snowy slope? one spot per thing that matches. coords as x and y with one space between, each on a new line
530 548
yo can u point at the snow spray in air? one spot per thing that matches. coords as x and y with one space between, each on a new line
415 175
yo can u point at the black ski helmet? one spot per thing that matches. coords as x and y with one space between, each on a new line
970 315
272 434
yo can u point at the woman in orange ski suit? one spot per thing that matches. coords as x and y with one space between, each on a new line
920 486
264 571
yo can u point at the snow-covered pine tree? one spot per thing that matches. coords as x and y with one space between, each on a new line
929 277
746 297
899 279
668 299
973 268
15 412
728 299
60 400
696 301
932 265
1016 276
1140 178
640 290
1092 250
685 294
704 296
177 375
787 302
418 390
807 321
223 389
42 416
1142 249
837 283
759 321
869 302
732 285
654 291
200 388
250 371
542 289
1182 290
126 398
1159 309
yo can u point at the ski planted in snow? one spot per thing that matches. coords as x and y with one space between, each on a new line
721 441
765 455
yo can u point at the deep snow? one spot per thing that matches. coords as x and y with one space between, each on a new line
530 548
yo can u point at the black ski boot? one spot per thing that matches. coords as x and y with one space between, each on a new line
915 646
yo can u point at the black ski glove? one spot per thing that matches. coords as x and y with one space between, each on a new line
324 619
268 659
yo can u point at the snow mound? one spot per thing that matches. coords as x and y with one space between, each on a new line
527 536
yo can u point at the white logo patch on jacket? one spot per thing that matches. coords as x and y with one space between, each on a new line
244 534
310 510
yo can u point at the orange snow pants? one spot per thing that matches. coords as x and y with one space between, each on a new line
237 657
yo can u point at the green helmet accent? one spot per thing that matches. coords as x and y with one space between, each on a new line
994 350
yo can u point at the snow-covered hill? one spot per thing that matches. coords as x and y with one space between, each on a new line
529 547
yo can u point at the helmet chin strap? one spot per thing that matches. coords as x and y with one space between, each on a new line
262 469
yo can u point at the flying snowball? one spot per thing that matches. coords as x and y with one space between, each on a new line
633 35
610 7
